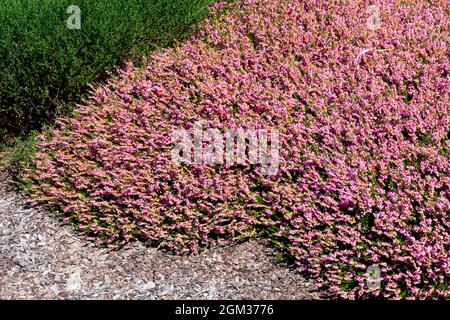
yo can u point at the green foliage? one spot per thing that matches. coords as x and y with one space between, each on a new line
14 157
45 66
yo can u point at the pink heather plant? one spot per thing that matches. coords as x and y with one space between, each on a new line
364 126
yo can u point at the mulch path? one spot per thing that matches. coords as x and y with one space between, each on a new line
41 258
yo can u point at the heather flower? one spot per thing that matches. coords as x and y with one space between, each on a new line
364 137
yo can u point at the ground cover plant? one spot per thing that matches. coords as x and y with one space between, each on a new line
45 65
363 116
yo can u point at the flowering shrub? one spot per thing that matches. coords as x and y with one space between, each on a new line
364 123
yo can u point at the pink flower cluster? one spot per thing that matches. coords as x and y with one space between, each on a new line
364 122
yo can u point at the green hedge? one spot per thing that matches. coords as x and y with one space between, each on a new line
45 66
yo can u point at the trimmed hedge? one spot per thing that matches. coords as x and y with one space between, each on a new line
44 65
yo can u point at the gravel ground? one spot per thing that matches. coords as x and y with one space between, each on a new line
41 258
